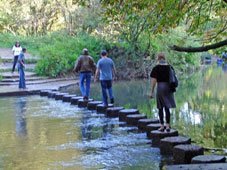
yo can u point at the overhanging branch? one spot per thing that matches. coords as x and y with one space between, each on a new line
199 49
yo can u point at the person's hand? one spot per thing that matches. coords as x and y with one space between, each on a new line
95 80
152 95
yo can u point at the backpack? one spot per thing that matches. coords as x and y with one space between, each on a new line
173 81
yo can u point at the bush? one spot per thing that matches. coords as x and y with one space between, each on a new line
59 57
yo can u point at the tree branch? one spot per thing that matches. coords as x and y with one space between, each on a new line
199 49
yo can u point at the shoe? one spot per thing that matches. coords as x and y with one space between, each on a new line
112 101
161 129
85 98
167 128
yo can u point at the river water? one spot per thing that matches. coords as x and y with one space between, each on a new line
41 133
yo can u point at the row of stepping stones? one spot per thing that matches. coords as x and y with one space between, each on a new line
170 143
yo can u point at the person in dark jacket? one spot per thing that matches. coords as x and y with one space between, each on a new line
85 65
165 99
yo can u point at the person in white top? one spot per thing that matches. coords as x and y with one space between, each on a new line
16 52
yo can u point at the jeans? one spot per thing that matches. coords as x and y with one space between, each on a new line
14 62
85 76
22 84
106 85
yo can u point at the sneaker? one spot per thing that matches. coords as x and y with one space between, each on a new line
112 101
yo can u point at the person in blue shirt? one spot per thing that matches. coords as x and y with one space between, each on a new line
21 67
107 71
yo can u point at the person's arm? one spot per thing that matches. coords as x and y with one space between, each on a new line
13 49
96 74
77 65
153 84
114 72
92 65
20 59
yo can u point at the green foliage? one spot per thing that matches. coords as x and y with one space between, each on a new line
181 61
203 18
59 56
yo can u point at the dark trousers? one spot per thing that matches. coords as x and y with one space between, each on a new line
15 62
106 85
167 112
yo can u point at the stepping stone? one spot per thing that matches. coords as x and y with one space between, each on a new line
133 119
83 103
142 123
44 92
74 100
67 98
59 96
151 127
100 108
167 144
215 166
157 135
123 113
52 94
183 154
113 111
208 159
92 105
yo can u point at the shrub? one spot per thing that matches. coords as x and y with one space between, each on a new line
60 55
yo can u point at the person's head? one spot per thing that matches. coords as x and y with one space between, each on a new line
161 56
85 51
103 53
17 44
24 50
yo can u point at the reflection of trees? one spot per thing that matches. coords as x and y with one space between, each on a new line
206 97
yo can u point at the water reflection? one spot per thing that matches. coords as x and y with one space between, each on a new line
21 124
